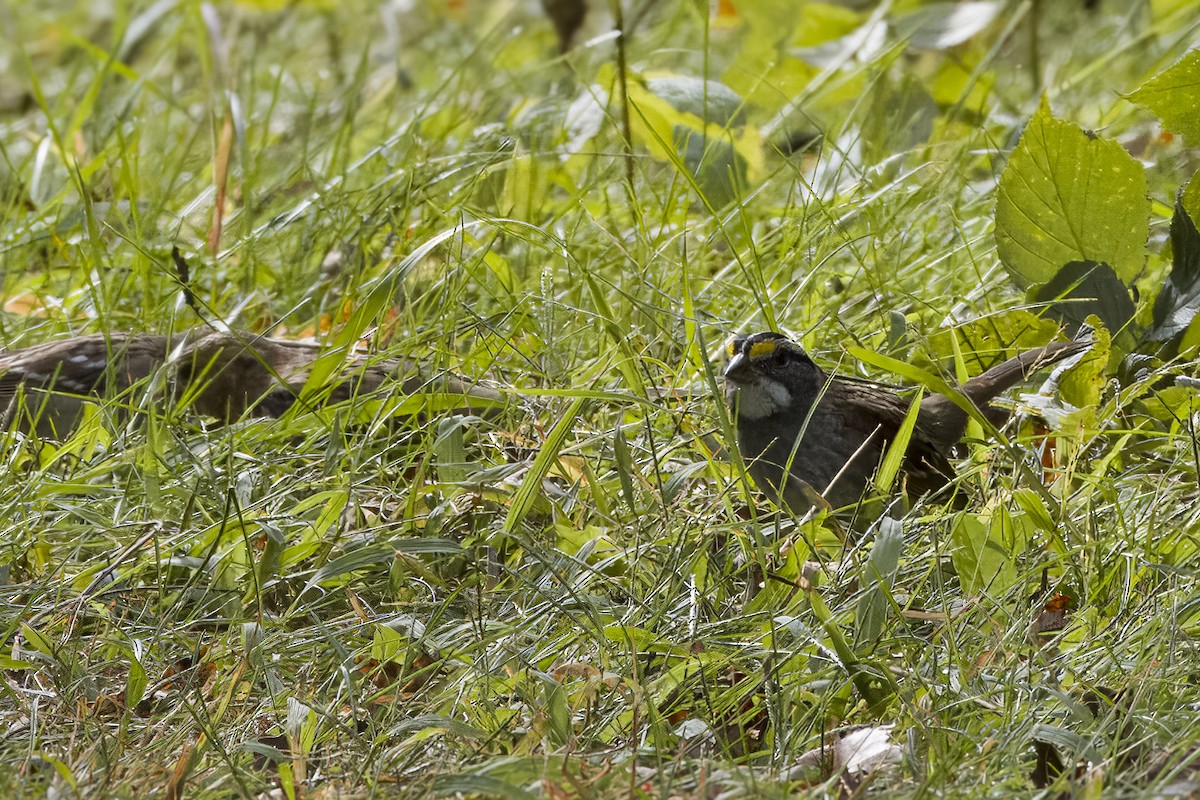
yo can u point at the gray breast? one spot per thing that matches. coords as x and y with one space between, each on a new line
821 455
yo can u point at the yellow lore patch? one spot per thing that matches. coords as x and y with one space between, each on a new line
764 349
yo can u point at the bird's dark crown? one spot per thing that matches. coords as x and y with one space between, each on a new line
759 348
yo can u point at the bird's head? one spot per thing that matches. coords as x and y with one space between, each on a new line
768 373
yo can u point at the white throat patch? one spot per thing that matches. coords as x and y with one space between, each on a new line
760 399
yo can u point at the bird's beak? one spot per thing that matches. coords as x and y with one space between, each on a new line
737 368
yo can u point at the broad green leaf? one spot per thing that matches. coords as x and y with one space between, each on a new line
35 641
388 644
450 451
1035 507
559 726
987 341
1179 299
1083 383
269 558
898 338
1083 288
8 662
135 682
984 547
767 81
63 770
500 267
863 44
683 673
699 125
272 754
593 539
1065 196
639 639
710 101
1174 95
1191 197
762 72
879 574
333 507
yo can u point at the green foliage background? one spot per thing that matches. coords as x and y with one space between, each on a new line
581 597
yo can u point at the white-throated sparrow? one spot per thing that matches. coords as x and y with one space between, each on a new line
801 430
222 374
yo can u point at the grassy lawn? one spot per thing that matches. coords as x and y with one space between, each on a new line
578 595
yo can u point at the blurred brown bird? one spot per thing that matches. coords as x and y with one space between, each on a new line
226 375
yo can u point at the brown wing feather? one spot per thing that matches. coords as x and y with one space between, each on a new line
867 412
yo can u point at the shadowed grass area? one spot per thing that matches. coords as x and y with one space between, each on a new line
578 596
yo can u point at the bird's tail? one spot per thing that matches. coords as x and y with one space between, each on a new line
951 421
